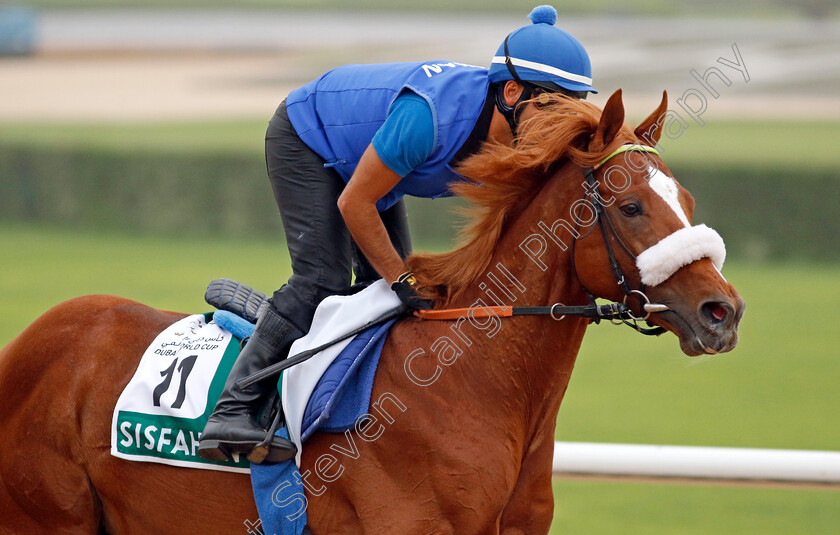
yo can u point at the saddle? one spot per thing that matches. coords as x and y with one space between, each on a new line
245 303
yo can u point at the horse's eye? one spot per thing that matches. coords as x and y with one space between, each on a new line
631 209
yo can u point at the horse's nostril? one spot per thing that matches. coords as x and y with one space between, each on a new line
716 312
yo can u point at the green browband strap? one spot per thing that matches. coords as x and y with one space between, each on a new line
625 148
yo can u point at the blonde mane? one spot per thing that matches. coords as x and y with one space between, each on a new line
502 178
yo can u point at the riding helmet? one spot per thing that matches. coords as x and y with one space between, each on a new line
543 55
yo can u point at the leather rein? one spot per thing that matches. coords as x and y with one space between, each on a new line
616 313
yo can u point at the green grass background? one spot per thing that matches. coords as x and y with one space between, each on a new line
778 389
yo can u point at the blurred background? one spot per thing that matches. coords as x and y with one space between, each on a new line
131 163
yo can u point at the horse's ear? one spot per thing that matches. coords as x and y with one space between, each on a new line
650 130
611 120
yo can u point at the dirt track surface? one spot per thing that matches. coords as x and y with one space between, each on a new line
138 88
153 66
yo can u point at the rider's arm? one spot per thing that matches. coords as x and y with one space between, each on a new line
371 181
402 143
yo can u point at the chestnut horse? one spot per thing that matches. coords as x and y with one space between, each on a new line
464 434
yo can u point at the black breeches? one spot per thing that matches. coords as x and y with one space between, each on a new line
324 256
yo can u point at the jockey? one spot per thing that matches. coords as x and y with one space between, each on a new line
341 153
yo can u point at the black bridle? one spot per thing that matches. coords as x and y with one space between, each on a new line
606 227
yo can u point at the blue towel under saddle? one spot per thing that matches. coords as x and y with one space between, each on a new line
340 398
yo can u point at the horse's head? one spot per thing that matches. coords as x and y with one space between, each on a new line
640 230
630 224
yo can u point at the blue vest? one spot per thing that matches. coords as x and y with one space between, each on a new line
338 114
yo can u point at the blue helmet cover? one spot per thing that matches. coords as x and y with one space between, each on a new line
541 52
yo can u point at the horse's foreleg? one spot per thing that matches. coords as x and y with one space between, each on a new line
531 505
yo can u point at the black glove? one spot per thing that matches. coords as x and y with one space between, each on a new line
406 289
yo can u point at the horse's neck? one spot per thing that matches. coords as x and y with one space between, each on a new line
529 277
533 355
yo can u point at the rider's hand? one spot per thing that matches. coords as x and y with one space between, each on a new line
406 289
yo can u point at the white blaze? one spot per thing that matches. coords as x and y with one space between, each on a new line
665 187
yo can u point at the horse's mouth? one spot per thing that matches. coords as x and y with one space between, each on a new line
697 339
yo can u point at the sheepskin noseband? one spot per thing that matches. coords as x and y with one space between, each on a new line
679 249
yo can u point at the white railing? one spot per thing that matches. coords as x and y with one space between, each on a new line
637 461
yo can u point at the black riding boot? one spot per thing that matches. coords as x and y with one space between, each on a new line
232 428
